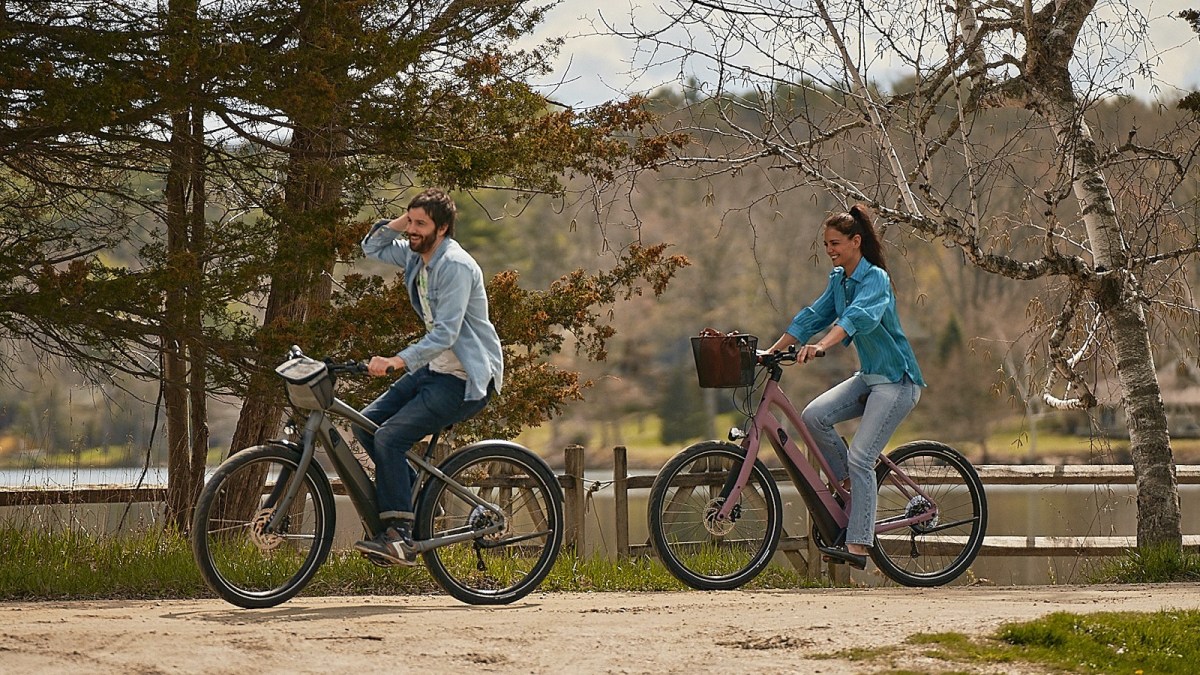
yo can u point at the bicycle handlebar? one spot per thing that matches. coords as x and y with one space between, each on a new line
768 359
345 367
349 367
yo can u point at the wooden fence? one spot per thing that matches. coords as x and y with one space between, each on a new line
801 551
797 547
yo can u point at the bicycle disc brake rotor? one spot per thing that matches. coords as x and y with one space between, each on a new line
716 526
264 540
482 518
917 506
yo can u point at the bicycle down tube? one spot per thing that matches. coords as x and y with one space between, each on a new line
765 423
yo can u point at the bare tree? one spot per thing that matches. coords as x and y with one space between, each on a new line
990 105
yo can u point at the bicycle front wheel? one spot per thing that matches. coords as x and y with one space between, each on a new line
938 550
241 556
505 565
699 550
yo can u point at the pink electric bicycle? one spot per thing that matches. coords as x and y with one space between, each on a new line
715 512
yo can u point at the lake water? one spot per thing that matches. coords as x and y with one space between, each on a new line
1013 510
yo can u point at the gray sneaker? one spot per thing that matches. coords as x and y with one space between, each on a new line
393 547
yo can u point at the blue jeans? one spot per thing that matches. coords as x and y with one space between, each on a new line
415 406
882 407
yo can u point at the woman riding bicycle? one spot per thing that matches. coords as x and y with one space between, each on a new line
859 307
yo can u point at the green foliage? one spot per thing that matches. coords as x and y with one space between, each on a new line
681 408
951 340
221 227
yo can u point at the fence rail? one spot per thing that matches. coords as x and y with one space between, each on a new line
576 490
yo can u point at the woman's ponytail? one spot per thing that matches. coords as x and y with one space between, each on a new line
858 221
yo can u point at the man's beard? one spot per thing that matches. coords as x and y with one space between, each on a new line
420 244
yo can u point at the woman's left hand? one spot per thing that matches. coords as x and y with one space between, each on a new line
809 352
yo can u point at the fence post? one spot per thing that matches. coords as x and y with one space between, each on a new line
574 497
621 499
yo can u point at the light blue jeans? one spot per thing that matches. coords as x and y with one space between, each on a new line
882 407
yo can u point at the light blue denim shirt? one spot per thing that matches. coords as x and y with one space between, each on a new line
864 305
458 302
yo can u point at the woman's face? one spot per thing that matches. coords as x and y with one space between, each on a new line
843 250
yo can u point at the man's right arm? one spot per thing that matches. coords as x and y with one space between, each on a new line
384 242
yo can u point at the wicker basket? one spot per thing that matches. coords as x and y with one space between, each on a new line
724 360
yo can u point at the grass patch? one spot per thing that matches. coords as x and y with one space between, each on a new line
70 565
38 565
1104 642
1128 642
959 647
1148 564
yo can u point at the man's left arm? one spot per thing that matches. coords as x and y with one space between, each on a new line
385 241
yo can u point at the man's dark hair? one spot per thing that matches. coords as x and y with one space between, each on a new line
439 206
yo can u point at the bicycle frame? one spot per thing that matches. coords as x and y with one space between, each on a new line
359 488
829 517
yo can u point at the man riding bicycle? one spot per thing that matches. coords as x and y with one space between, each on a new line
449 374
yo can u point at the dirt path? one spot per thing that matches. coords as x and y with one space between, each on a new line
693 632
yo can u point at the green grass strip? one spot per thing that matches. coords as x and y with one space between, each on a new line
68 565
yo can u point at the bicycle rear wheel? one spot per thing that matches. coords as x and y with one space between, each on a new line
697 549
937 551
240 557
505 566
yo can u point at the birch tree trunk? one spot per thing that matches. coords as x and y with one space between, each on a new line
1113 287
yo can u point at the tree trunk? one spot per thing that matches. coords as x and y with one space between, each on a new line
184 374
197 351
174 342
299 291
1158 513
1115 291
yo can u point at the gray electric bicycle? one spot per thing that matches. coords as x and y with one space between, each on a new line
488 518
